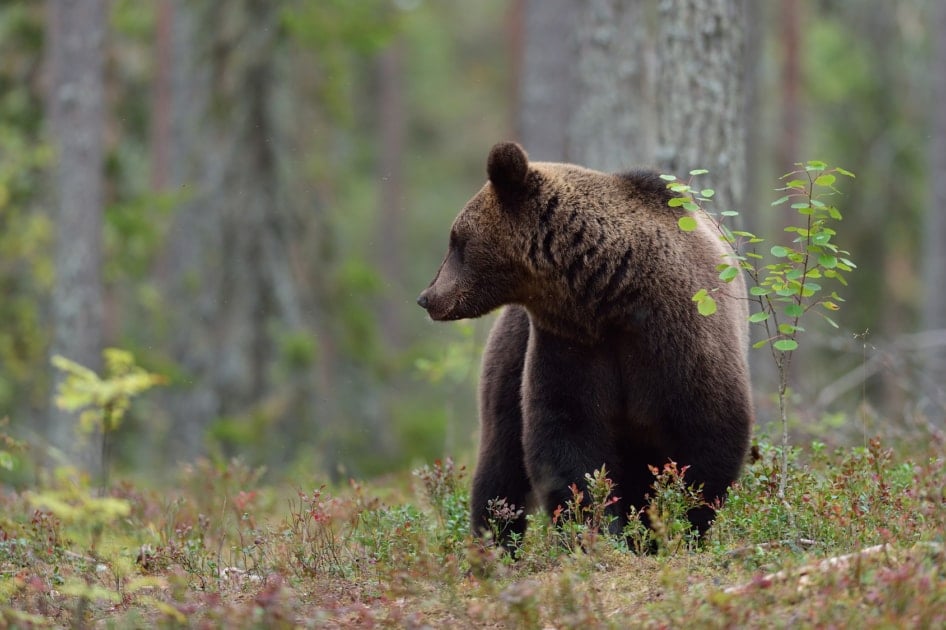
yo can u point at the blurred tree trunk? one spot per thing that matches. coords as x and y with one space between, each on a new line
77 115
161 96
612 122
613 83
789 140
548 69
934 277
585 86
230 286
393 124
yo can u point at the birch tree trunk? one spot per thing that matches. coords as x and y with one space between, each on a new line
76 33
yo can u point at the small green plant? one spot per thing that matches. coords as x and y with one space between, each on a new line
586 515
501 515
787 285
103 401
443 488
671 501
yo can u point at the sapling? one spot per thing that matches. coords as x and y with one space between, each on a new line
786 284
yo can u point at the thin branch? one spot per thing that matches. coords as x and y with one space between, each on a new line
804 576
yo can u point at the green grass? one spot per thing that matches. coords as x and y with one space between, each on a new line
220 549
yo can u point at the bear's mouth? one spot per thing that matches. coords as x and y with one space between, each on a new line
439 310
441 314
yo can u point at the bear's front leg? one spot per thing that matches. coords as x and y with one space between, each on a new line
500 469
570 403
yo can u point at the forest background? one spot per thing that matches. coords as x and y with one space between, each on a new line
274 182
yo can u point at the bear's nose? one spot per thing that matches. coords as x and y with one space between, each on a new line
423 301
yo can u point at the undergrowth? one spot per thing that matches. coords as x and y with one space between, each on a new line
224 550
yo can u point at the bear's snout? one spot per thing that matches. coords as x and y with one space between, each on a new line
422 300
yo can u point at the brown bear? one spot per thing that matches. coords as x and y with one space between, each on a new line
601 357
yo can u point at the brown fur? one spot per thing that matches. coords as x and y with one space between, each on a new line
603 358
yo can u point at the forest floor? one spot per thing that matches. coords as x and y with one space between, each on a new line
857 540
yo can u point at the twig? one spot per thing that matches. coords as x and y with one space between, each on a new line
775 544
804 575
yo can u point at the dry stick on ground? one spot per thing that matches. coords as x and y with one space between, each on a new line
804 574
775 544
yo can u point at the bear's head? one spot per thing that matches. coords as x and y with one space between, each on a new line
484 267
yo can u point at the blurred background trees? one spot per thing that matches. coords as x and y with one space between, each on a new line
276 182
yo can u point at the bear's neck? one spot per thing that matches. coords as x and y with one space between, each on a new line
592 276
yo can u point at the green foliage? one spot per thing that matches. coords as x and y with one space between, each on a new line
671 501
789 285
26 272
102 401
445 491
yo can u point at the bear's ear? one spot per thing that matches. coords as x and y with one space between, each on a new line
507 166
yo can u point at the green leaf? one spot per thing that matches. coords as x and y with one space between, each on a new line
785 345
828 319
689 206
707 192
759 291
729 213
687 223
829 262
699 171
831 306
760 344
786 329
844 172
668 178
780 200
729 274
676 202
794 310
706 306
834 213
797 183
780 252
761 316
825 180
699 295
815 165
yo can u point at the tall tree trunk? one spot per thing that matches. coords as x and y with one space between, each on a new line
393 125
700 93
548 68
586 94
161 96
229 276
789 139
77 114
611 126
934 276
